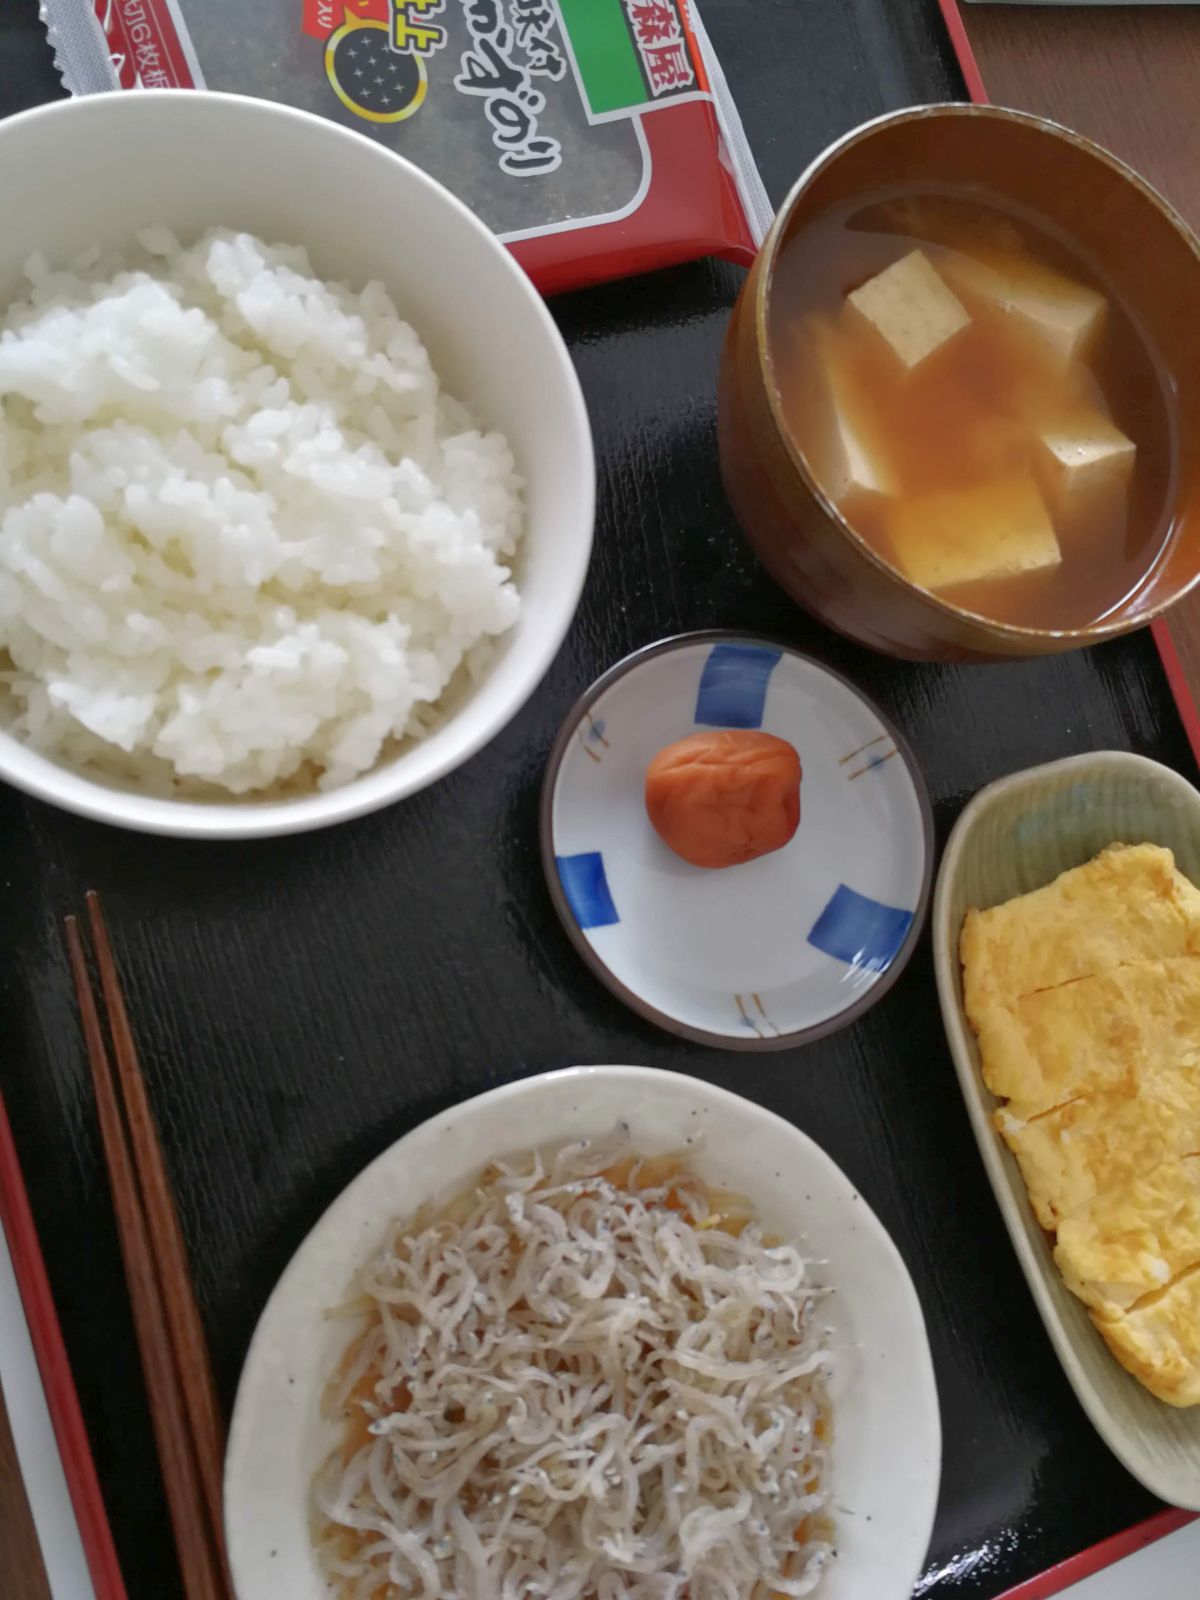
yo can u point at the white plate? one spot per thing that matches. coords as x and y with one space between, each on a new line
887 1439
777 951
1014 836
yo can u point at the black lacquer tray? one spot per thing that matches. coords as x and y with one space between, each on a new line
302 1002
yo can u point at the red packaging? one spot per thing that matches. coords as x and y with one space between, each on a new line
596 137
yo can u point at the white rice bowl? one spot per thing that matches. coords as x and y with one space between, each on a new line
247 543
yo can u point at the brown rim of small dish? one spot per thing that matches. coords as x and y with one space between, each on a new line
721 1041
1092 633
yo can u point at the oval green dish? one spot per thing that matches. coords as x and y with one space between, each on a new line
1016 835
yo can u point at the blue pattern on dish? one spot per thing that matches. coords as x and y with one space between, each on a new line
585 885
868 763
733 685
876 761
747 1007
862 932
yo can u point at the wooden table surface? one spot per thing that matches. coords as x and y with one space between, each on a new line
22 1575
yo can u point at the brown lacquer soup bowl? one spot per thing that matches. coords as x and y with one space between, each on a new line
1147 257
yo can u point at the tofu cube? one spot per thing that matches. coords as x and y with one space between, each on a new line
998 530
1083 460
1063 316
910 307
846 458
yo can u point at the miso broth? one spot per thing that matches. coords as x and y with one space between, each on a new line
979 403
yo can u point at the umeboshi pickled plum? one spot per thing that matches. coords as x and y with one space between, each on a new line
723 797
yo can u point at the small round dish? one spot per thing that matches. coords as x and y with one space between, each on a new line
772 953
886 1462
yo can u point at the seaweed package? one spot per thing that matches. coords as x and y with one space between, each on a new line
596 137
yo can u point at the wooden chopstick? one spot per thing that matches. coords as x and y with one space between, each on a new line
174 1357
166 1239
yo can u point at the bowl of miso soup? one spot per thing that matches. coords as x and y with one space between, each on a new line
959 410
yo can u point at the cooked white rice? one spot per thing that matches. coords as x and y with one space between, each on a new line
245 537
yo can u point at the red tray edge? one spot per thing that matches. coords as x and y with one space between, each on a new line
83 1486
1075 1568
1055 1579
